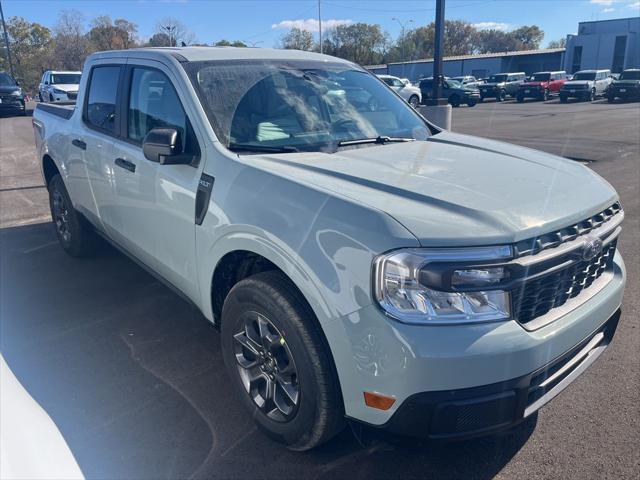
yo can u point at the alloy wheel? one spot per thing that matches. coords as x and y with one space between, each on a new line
266 367
61 216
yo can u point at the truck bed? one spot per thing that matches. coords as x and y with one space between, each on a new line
62 111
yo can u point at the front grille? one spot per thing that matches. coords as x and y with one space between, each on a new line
539 296
553 239
72 95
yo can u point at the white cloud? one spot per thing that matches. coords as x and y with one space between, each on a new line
635 5
309 24
492 26
607 10
603 2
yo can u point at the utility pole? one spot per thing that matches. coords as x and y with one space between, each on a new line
6 42
438 110
320 24
437 54
403 25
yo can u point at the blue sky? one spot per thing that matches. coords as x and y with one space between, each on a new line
264 21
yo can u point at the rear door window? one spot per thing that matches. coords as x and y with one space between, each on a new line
100 110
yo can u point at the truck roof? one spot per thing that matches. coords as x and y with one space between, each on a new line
196 54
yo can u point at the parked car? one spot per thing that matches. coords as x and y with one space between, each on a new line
586 85
453 91
361 265
626 87
403 88
542 85
58 86
12 98
468 81
502 85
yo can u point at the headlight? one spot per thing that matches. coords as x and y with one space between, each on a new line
59 92
17 93
443 286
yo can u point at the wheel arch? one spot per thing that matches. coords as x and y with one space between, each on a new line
49 169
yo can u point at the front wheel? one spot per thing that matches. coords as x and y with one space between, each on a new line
611 98
592 95
471 103
545 95
277 360
454 100
502 96
414 101
563 99
75 236
520 98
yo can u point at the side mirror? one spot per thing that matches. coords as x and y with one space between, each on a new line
163 145
46 82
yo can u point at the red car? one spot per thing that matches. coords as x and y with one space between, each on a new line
542 85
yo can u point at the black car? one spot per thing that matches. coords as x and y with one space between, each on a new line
453 91
502 85
625 87
11 95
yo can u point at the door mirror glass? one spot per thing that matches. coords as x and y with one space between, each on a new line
163 145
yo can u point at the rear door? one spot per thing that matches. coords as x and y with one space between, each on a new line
156 203
92 178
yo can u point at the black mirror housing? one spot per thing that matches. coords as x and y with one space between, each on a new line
162 145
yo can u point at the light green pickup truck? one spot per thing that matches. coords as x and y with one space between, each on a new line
362 264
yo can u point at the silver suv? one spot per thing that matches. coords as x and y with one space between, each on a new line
586 85
361 264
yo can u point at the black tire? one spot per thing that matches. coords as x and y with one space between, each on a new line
545 95
611 98
592 95
75 235
454 100
471 103
501 96
520 98
414 101
563 99
319 412
40 97
51 98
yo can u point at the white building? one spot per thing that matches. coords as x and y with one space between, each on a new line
612 44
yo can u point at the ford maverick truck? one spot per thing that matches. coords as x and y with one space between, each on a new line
361 264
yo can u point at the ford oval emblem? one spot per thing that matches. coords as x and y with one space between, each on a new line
592 247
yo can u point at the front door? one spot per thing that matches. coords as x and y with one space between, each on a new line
157 202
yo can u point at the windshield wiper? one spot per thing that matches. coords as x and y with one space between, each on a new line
380 140
248 147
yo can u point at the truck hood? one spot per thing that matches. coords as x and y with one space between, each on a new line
578 83
66 87
455 189
9 88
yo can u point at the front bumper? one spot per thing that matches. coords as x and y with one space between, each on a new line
11 102
576 93
531 92
627 93
425 367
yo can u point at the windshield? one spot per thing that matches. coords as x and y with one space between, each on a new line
299 106
541 77
585 76
633 75
6 80
497 78
453 83
65 78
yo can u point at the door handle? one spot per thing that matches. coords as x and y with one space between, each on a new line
79 143
126 164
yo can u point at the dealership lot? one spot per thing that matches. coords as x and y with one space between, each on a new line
132 375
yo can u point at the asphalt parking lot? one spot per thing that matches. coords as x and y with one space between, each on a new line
133 376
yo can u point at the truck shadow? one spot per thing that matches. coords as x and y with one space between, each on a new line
133 377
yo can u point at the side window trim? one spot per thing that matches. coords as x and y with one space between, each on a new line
117 121
125 89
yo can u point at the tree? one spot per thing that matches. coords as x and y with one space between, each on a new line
527 37
297 39
108 35
227 43
159 40
561 43
491 41
177 31
363 43
31 47
71 46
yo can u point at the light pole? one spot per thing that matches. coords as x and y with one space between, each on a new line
6 42
402 25
437 109
320 25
